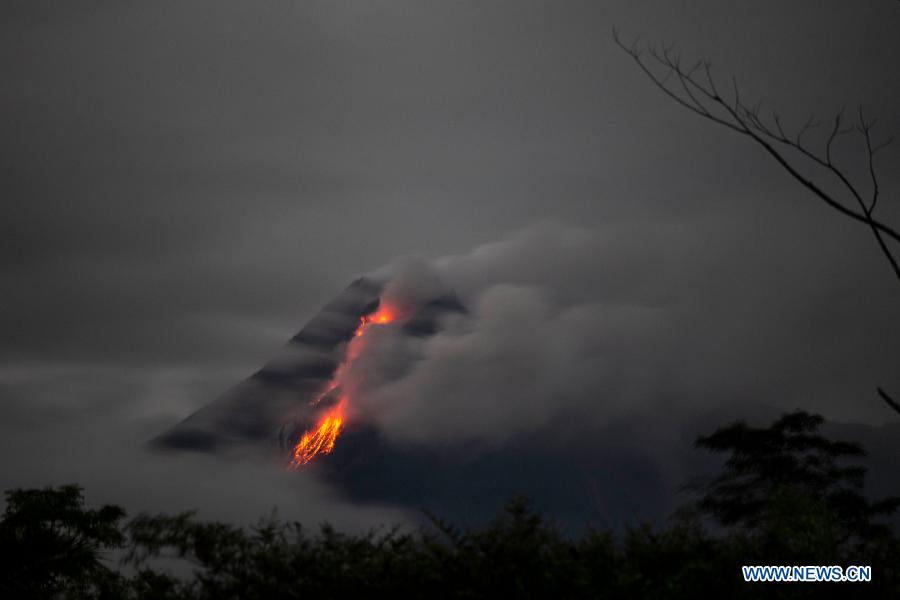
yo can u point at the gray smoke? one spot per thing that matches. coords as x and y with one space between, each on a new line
571 329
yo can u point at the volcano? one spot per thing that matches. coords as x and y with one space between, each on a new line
274 405
292 396
293 408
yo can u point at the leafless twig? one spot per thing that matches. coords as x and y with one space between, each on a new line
696 91
890 401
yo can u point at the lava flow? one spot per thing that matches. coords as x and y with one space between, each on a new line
320 439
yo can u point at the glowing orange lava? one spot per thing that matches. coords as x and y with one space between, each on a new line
379 317
320 439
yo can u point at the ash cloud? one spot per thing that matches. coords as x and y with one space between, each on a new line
570 329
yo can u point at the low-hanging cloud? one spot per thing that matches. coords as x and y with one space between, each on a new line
88 424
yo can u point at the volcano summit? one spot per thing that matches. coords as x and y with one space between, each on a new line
294 401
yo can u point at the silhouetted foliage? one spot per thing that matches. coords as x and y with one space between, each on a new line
786 495
789 496
789 459
52 546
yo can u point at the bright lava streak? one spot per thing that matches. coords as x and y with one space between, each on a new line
320 439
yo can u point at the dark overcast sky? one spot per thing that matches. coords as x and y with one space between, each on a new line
185 183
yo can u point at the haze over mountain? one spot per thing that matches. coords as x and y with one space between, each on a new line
582 470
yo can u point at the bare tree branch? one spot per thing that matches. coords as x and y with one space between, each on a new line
890 401
697 91
702 97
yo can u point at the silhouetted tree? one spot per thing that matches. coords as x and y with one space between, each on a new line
768 468
51 546
787 495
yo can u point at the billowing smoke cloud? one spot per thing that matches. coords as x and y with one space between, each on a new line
570 329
